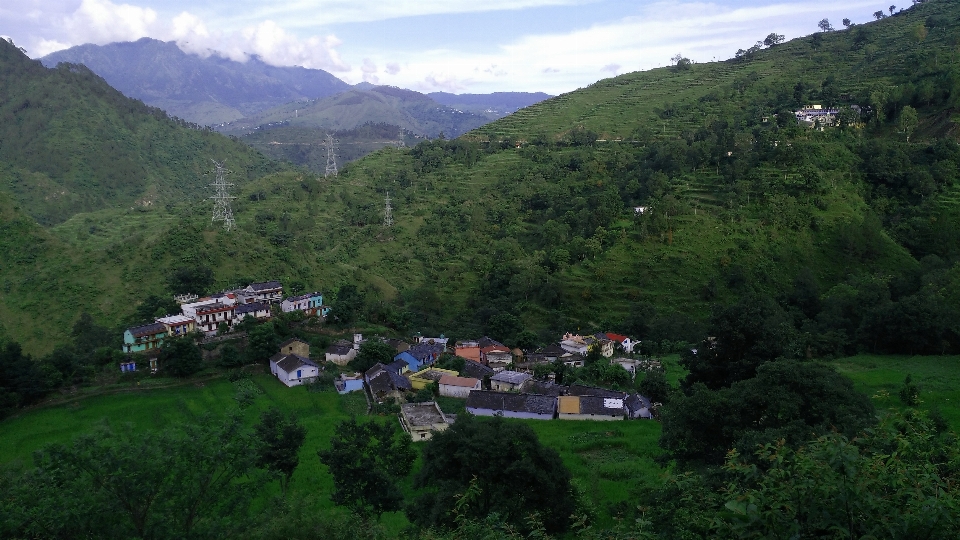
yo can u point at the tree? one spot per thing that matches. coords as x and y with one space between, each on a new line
908 120
747 334
879 14
180 357
847 23
773 39
182 482
512 473
195 280
347 305
825 25
654 386
262 342
504 327
366 461
371 352
892 9
229 356
681 63
787 400
279 440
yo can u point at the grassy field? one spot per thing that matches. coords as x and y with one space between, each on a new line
882 377
607 459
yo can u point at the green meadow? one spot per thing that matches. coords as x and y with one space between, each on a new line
608 460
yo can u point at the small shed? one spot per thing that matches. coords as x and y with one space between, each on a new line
292 369
349 383
340 353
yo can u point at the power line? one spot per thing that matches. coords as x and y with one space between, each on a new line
221 198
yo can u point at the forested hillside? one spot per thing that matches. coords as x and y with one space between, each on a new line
70 143
635 204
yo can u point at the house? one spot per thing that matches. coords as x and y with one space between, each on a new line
144 338
422 420
340 353
426 377
293 369
310 303
624 341
458 387
384 383
412 363
295 346
442 341
267 292
349 383
210 316
545 388
476 370
496 356
590 408
583 390
178 325
470 351
509 381
424 353
397 344
629 364
638 407
257 310
510 405
398 366
605 344
554 352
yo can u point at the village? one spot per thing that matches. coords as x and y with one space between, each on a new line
494 380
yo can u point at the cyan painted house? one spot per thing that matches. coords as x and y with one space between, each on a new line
144 338
413 364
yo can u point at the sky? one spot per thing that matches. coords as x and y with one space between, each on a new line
460 46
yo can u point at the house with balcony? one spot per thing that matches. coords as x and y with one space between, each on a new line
267 292
143 338
178 325
210 316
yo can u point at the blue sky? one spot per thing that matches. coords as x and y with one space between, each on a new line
458 46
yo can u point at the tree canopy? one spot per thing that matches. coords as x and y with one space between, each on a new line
513 473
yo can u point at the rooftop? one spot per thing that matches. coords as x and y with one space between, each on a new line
148 329
422 414
465 382
508 401
266 286
511 377
251 308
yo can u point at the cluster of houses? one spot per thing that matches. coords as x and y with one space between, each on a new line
226 308
816 116
495 380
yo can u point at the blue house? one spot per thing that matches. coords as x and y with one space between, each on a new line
349 383
412 362
144 338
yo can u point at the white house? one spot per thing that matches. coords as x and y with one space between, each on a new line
506 381
340 353
458 387
257 310
293 370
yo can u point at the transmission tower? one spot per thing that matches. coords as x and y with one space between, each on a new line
331 156
387 212
400 142
221 199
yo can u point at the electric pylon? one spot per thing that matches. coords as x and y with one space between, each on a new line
387 212
331 157
221 198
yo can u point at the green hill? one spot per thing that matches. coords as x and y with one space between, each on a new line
529 222
413 111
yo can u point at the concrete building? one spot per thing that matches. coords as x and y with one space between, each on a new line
422 420
458 387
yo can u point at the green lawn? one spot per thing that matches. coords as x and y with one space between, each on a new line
882 377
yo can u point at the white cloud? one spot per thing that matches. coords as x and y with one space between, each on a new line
307 13
101 21
701 31
392 68
369 70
